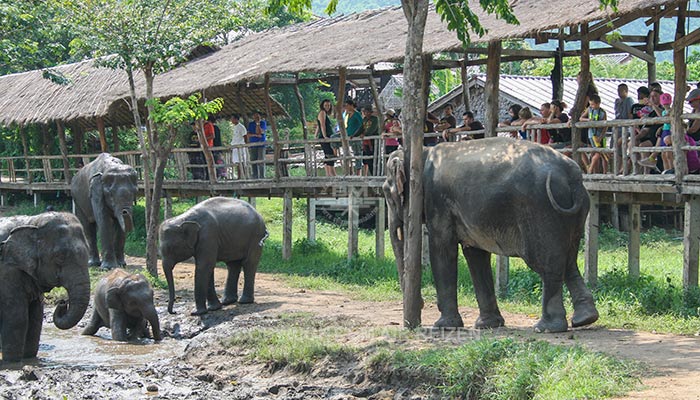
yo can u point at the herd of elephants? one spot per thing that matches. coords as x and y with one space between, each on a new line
501 196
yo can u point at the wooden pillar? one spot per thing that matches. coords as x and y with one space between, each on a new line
425 250
691 240
45 140
502 274
347 168
590 271
680 164
464 72
378 103
557 74
241 104
615 215
584 80
311 219
168 210
115 138
492 86
302 109
634 241
64 152
25 152
273 126
380 228
77 139
101 130
251 201
651 67
353 220
287 225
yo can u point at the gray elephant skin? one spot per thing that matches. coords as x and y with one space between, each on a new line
123 302
502 196
104 193
217 229
37 254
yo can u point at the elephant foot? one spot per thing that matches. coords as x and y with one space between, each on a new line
229 300
94 262
584 315
214 307
245 299
121 263
452 321
109 265
489 321
551 325
199 312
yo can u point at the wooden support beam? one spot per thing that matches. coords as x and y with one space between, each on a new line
691 242
354 198
601 28
509 52
311 219
447 64
633 51
680 164
64 151
25 151
380 228
275 134
347 168
115 137
502 274
101 130
287 225
378 103
585 79
491 87
590 272
302 109
241 104
634 241
557 74
651 66
687 40
464 73
667 12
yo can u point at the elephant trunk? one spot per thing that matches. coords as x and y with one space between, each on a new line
152 317
124 219
67 315
168 270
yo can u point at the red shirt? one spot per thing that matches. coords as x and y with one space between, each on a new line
209 133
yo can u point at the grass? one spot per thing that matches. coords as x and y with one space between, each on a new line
508 369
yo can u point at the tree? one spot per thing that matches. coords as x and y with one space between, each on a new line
150 36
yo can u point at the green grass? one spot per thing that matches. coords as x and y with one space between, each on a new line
508 369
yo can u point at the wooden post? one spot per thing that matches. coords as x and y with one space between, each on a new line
101 130
584 80
634 242
557 74
25 152
115 138
311 219
590 272
615 215
251 201
380 228
353 220
651 66
491 87
680 163
378 103
241 104
64 152
425 250
302 110
287 225
502 274
464 72
77 141
273 127
347 168
45 140
691 240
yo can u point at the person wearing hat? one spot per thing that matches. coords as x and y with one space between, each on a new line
693 99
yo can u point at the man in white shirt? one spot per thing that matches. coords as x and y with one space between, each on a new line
240 153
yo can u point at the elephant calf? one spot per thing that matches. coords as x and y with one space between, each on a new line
124 302
217 229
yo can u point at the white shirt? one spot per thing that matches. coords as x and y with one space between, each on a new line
239 133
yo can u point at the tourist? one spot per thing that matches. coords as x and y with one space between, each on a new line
448 120
561 137
513 113
596 136
256 134
324 131
239 154
468 125
370 128
392 132
352 126
624 103
429 128
544 136
196 157
693 99
218 157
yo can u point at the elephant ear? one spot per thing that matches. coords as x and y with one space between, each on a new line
114 294
190 232
396 178
97 192
20 249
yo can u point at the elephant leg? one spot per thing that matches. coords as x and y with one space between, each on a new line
479 262
553 312
212 298
120 239
250 268
117 324
108 228
443 262
585 312
91 235
34 323
94 325
231 291
203 284
14 331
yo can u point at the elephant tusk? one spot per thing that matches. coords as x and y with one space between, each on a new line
399 233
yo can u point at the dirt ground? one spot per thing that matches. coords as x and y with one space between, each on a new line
193 362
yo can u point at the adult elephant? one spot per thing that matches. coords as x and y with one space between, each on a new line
217 229
498 195
124 303
104 193
37 254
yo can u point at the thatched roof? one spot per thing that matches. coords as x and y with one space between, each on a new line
358 39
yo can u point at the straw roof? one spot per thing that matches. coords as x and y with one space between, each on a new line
326 44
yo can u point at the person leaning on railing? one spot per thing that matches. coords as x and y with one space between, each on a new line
561 137
391 141
596 136
692 157
369 128
324 129
469 124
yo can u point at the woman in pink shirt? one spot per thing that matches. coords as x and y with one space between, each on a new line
392 132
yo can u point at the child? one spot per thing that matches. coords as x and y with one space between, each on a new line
664 140
596 136
623 104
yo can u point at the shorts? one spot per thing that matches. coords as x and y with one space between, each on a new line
664 134
367 151
328 152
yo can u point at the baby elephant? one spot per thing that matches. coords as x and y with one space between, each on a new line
124 302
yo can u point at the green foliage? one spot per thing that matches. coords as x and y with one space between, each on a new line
178 111
312 93
509 369
461 19
237 17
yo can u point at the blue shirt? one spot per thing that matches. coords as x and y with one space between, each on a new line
251 131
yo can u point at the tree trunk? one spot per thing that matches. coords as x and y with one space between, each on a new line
680 160
207 151
416 12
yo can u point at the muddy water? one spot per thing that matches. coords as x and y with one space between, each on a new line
69 347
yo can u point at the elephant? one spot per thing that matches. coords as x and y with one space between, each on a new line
37 254
124 302
217 229
502 196
104 193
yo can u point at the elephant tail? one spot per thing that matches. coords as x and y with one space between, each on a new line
262 241
578 202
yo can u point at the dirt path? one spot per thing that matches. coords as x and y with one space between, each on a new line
674 360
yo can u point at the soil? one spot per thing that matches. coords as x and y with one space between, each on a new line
194 361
